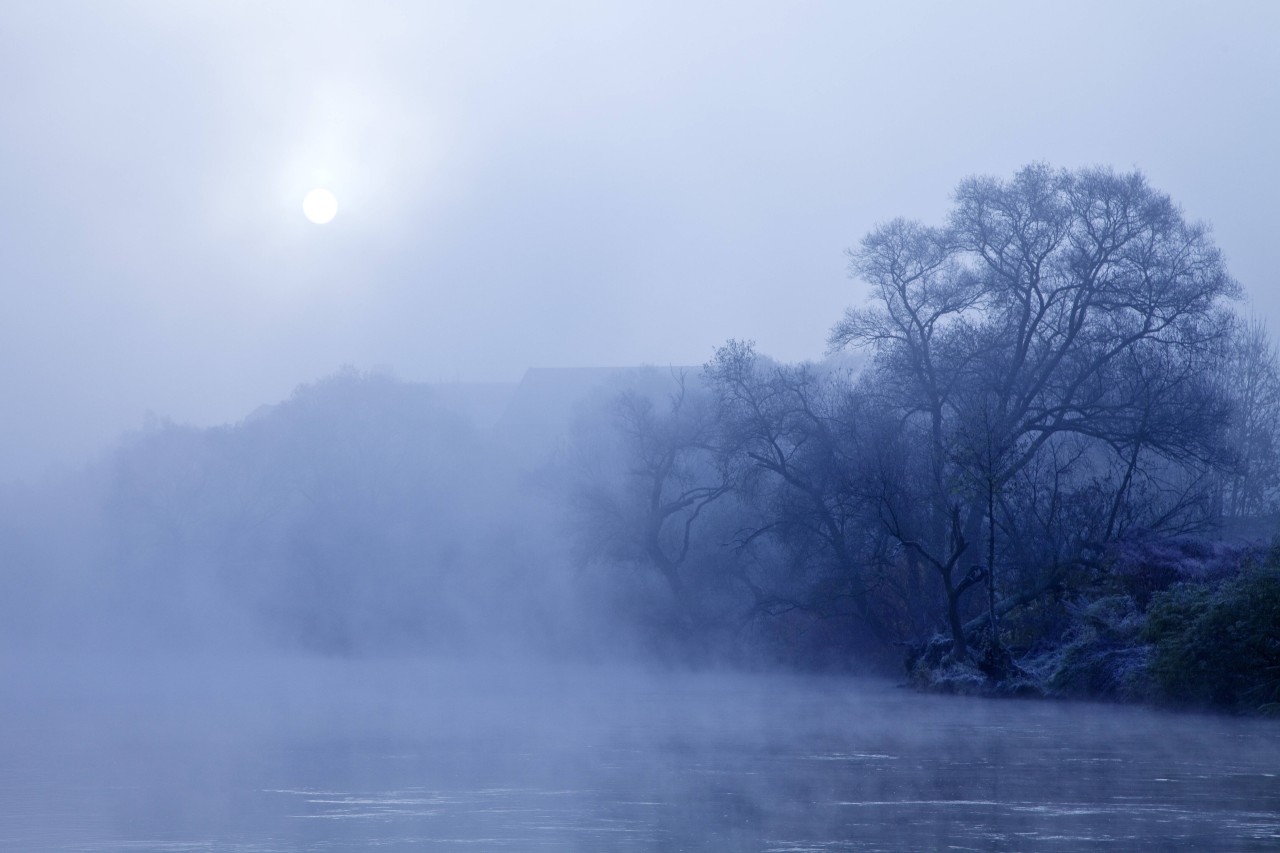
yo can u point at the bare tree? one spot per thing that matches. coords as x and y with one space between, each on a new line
1058 303
671 451
1251 380
790 438
661 477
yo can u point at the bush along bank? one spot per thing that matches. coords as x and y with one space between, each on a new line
1185 622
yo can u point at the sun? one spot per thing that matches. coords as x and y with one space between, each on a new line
320 206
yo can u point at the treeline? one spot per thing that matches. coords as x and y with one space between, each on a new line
1053 378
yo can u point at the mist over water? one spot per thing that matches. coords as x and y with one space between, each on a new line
304 754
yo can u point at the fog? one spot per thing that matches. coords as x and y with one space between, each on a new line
568 186
720 426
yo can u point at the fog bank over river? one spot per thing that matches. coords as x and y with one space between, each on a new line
306 754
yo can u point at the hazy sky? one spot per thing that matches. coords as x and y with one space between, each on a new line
543 184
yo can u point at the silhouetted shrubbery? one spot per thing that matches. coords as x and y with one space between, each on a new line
1219 645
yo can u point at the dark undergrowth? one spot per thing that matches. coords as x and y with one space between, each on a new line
1191 633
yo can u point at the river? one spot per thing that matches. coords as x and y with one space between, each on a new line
270 756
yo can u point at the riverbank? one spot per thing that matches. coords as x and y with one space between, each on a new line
1187 623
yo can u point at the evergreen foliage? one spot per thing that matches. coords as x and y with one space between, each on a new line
1219 645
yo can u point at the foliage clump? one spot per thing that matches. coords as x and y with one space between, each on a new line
1186 620
1102 656
1219 645
935 667
1142 566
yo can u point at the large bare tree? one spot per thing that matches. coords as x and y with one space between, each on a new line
1056 304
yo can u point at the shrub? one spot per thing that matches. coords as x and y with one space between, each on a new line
1220 645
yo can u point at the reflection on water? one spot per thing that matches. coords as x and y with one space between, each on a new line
308 756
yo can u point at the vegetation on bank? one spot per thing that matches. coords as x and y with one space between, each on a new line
1199 631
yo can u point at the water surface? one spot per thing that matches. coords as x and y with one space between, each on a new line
323 756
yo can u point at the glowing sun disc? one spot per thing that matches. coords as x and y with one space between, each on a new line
320 206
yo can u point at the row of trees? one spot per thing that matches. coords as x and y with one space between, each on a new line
1054 370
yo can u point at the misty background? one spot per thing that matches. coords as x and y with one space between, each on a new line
560 185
